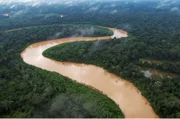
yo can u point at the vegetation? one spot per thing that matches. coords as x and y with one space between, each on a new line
120 56
152 39
30 92
27 91
173 67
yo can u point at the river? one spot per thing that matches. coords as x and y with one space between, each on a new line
124 93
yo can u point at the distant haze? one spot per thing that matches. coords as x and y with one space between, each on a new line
171 5
161 3
74 1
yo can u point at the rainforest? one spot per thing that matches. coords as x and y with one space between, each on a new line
90 59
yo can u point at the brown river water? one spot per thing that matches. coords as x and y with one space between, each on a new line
124 93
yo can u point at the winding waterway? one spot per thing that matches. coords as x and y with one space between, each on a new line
124 93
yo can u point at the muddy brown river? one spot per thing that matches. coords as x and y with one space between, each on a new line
124 93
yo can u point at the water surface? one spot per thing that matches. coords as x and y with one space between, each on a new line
124 93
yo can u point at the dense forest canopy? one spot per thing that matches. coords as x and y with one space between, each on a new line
112 13
27 91
153 45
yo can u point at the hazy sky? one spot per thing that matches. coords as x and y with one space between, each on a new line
5 1
161 3
68 0
40 0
